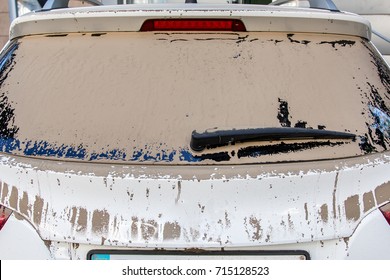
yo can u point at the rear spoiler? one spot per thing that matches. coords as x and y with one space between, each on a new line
315 4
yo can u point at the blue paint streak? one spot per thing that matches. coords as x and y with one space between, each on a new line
187 156
79 153
137 155
161 156
171 156
43 148
46 149
110 155
9 145
382 119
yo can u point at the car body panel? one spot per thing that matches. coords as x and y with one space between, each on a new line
19 240
124 18
365 244
198 206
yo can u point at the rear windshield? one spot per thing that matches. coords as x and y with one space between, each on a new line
137 97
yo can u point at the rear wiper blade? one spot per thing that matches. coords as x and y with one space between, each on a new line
199 141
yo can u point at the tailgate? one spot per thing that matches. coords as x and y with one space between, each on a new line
185 207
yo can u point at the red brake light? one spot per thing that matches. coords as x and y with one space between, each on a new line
385 209
193 25
4 215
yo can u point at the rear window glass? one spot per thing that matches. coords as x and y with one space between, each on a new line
137 97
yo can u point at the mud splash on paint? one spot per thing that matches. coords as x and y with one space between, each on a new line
377 136
381 67
283 113
290 38
256 151
341 43
8 129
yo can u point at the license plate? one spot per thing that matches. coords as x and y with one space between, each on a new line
196 255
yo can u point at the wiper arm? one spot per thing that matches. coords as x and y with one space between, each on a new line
199 141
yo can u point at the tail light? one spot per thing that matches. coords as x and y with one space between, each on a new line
4 215
385 209
193 25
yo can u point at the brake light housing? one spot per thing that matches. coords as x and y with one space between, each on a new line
193 25
4 215
385 209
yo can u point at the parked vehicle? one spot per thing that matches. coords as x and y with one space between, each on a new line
189 130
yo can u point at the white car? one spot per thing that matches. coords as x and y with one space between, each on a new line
190 130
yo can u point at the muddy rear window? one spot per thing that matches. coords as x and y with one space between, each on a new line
138 97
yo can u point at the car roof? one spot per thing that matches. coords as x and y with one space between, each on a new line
127 18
